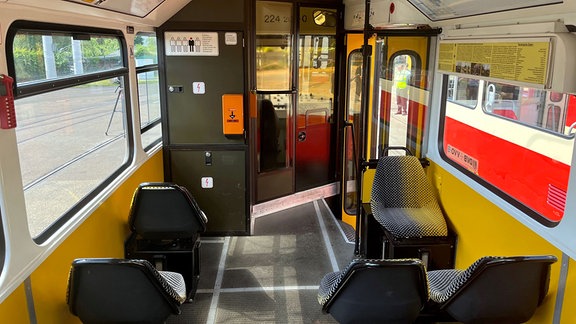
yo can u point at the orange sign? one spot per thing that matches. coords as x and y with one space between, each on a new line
233 114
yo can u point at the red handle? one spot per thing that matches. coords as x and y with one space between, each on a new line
7 113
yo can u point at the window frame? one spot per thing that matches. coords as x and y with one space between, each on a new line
37 88
350 136
507 197
144 69
541 128
457 100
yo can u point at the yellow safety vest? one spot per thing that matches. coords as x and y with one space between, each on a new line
402 79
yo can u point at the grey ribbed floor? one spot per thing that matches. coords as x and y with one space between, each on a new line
272 276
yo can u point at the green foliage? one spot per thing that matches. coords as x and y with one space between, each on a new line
97 54
145 47
101 53
28 57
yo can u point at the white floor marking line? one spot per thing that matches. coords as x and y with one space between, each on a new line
258 289
212 240
337 223
329 248
218 283
221 268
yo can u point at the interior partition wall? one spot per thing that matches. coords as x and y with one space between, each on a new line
203 51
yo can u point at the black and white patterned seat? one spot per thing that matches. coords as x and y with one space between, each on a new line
444 283
375 290
176 283
403 200
331 281
172 283
492 289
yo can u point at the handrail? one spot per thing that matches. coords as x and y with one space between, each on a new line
571 129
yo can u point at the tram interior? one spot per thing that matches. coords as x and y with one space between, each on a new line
249 262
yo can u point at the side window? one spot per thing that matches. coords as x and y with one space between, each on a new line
519 145
533 107
146 54
463 91
71 117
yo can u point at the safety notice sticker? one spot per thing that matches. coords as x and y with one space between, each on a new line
191 44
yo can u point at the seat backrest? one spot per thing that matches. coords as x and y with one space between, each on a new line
105 290
400 182
379 291
500 289
165 211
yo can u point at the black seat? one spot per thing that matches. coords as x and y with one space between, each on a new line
165 222
375 291
123 291
165 211
492 289
406 215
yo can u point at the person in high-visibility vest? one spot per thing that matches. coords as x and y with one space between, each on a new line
401 81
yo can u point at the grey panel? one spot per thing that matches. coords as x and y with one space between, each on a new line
197 118
225 203
211 11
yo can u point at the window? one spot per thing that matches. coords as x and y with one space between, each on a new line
316 51
518 144
146 55
71 138
274 55
463 91
400 101
273 46
533 107
351 146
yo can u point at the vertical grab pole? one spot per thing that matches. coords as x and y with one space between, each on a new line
359 246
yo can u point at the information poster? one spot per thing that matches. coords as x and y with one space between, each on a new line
191 44
524 61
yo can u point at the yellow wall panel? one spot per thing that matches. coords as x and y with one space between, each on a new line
13 309
484 229
101 235
568 309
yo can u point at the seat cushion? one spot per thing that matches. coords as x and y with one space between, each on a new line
410 222
176 282
440 281
331 281
444 283
328 286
